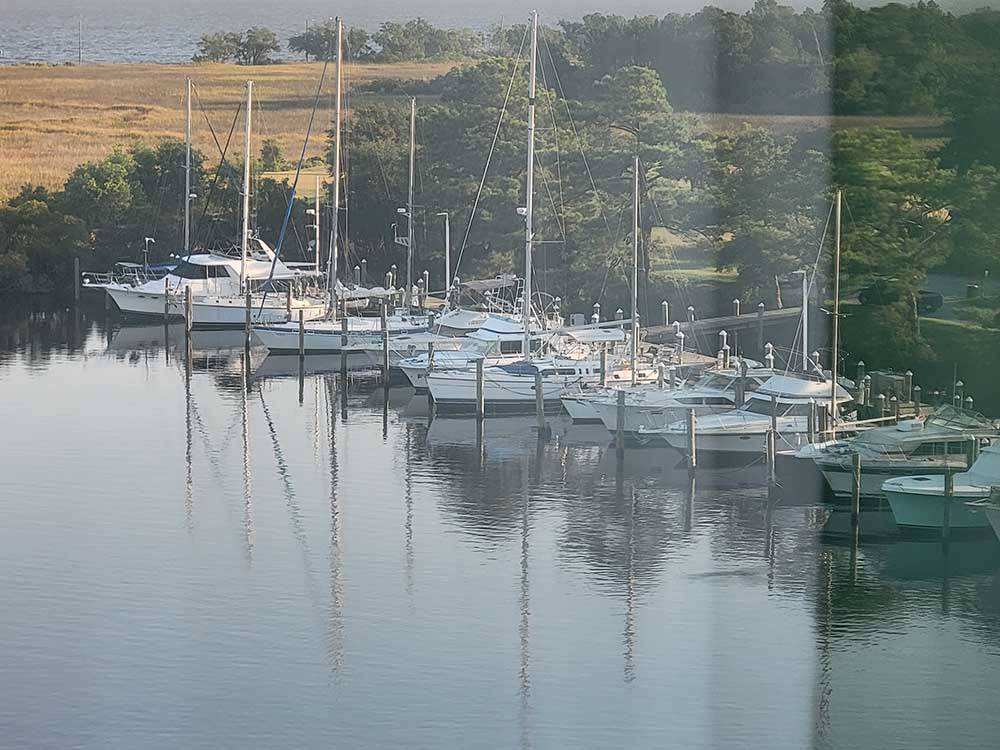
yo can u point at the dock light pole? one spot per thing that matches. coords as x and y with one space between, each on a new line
145 251
447 252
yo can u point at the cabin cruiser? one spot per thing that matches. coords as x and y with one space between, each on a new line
328 337
218 289
652 407
783 403
509 388
500 340
935 444
919 502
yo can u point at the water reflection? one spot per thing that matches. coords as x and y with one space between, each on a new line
539 590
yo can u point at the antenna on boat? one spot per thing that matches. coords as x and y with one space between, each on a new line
634 349
530 184
245 235
187 171
836 316
335 224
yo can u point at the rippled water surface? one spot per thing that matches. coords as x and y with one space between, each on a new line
190 558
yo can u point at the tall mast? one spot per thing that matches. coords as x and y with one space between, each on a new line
187 172
836 316
530 186
409 204
335 222
245 238
316 210
634 353
805 321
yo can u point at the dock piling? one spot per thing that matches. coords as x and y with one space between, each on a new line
166 300
76 280
385 347
770 446
604 365
760 326
692 442
620 423
855 490
302 335
949 493
665 307
246 325
543 428
288 304
188 311
480 391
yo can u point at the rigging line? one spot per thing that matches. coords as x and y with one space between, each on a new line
291 192
208 121
493 145
555 131
809 286
223 164
576 134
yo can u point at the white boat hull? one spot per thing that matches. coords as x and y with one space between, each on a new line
212 311
455 391
926 511
364 334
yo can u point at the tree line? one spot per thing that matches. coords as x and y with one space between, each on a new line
393 41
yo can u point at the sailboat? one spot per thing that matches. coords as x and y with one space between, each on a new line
219 282
324 334
512 387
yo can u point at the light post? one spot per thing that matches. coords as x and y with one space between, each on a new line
145 251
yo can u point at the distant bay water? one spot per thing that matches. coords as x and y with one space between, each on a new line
158 31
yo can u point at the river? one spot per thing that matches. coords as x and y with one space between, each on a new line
193 558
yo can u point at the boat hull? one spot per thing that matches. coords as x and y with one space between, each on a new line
210 311
926 512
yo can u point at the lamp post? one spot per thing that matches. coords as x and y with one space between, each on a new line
145 251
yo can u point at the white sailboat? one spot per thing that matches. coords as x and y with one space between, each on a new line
220 282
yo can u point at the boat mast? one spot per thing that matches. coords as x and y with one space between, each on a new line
805 321
335 225
634 352
409 205
529 188
836 317
316 210
245 239
187 171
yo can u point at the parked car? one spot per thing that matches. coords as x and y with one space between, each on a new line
887 291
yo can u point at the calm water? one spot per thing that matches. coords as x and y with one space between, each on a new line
194 561
157 31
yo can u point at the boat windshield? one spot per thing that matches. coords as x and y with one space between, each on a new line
186 270
762 406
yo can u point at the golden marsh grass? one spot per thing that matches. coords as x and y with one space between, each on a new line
53 118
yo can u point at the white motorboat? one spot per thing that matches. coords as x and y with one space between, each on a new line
919 502
649 407
216 290
932 445
509 388
783 403
327 336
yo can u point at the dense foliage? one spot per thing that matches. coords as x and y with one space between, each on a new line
752 201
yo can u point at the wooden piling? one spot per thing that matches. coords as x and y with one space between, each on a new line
604 365
855 490
692 442
247 325
188 311
540 402
76 280
949 493
288 304
760 326
971 452
302 334
480 391
770 448
620 422
659 376
385 346
813 421
166 300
